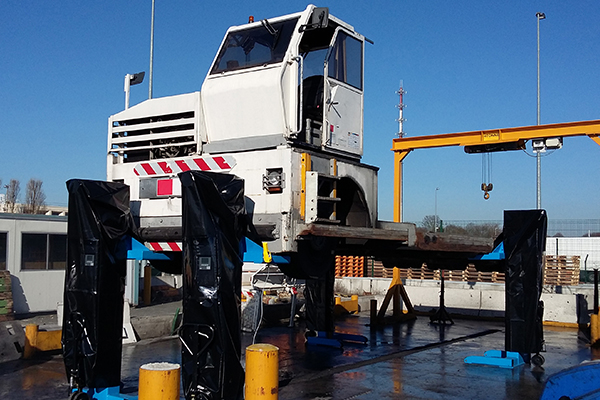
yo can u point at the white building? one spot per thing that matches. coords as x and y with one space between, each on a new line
34 249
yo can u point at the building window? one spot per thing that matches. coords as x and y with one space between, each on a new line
3 239
41 251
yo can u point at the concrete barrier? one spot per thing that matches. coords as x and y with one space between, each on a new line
568 305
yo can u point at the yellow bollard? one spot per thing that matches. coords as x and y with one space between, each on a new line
31 333
159 381
595 329
262 372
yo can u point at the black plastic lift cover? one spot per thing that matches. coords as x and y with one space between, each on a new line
214 224
98 224
524 245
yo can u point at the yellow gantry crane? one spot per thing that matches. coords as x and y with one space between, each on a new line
485 141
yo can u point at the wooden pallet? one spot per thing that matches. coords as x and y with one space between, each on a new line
469 274
374 268
561 270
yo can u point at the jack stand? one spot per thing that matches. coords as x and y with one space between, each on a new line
497 358
396 292
346 307
335 340
441 316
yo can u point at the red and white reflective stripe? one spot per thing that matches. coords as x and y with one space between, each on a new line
164 246
216 163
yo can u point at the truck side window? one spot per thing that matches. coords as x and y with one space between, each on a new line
345 61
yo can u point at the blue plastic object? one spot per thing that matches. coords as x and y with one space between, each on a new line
579 382
137 251
324 341
253 253
497 358
496 254
109 393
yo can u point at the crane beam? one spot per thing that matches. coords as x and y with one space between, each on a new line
403 146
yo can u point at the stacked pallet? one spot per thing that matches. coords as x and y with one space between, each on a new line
6 302
491 277
349 266
454 275
561 270
374 268
389 273
470 274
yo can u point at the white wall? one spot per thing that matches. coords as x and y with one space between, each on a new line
33 290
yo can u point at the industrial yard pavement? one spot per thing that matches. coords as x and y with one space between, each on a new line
413 360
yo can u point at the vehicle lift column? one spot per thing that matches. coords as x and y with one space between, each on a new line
316 264
522 249
99 226
214 226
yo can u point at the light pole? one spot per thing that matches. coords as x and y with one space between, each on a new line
539 17
435 224
151 53
132 79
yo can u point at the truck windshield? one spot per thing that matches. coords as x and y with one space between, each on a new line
265 44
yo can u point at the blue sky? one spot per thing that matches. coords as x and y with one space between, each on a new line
466 65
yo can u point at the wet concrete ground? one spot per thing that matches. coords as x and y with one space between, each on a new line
414 360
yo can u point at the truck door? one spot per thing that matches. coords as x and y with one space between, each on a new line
343 93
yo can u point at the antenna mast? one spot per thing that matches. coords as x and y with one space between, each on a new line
400 106
398 195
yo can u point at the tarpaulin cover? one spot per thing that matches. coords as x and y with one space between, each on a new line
214 223
524 245
98 223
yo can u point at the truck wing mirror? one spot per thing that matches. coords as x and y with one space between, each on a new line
318 19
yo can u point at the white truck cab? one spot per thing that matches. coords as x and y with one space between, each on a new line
282 108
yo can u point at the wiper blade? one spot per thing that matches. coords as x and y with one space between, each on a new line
272 31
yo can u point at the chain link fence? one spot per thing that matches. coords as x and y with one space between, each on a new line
492 228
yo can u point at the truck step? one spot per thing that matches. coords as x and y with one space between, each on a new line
332 199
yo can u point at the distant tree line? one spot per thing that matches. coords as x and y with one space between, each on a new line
484 230
35 198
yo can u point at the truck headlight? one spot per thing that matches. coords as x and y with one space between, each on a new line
273 180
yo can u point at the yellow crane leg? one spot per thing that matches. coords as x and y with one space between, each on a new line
398 158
